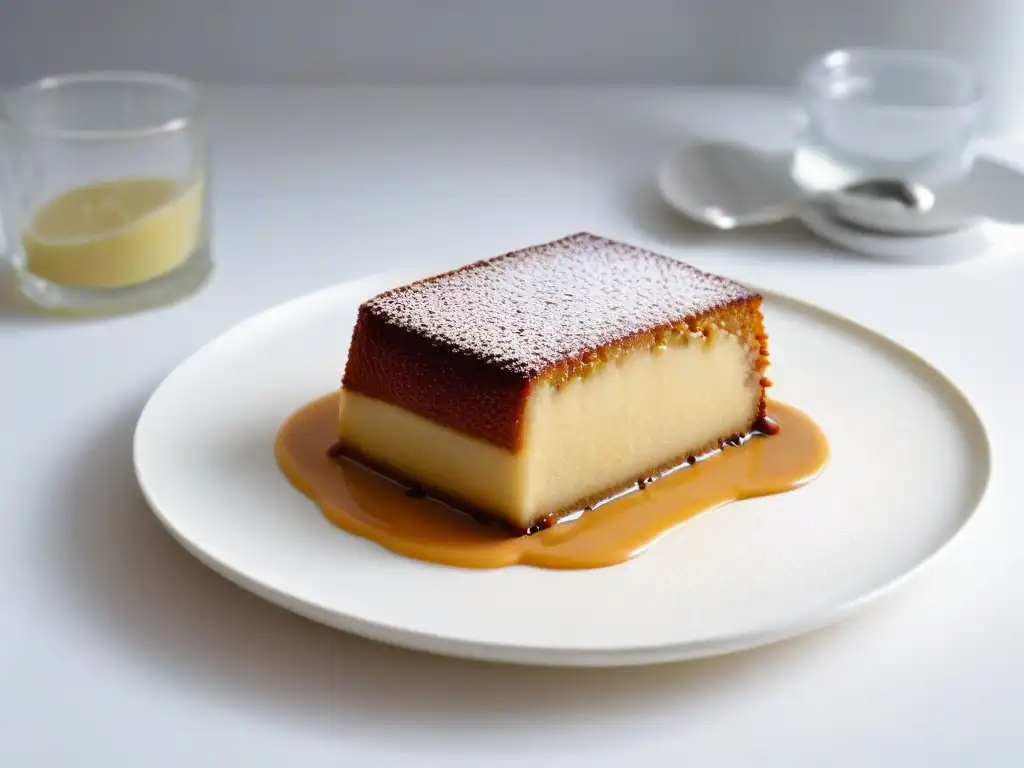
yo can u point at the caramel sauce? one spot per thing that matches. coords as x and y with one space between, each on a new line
405 521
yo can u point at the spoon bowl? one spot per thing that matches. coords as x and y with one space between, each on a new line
896 207
727 186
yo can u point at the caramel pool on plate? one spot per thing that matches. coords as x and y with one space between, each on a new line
367 504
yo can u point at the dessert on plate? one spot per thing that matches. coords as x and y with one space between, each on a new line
547 380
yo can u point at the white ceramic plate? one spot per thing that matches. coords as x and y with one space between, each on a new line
910 462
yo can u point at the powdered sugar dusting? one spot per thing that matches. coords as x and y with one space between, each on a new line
529 309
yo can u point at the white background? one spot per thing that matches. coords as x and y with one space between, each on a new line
118 649
724 42
727 41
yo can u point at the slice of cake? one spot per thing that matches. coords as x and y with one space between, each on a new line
546 380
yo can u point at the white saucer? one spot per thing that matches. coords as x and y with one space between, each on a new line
756 186
947 248
910 463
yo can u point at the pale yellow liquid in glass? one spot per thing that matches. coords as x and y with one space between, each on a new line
114 234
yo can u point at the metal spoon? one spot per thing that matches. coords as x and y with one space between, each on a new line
993 190
913 197
892 206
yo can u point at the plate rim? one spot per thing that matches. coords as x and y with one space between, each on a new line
567 656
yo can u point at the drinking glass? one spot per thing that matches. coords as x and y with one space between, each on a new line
105 196
880 113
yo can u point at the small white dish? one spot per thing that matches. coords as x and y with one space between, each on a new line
889 218
946 248
729 186
993 191
910 463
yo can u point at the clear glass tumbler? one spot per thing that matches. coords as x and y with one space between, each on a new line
106 204
885 113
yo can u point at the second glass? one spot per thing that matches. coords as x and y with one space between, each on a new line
885 114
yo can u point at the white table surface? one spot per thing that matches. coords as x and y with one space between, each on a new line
117 648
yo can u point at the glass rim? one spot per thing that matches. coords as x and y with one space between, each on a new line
942 65
160 80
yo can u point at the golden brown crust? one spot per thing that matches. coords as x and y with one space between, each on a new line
463 392
463 349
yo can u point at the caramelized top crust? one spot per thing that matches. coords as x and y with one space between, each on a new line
463 348
531 309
